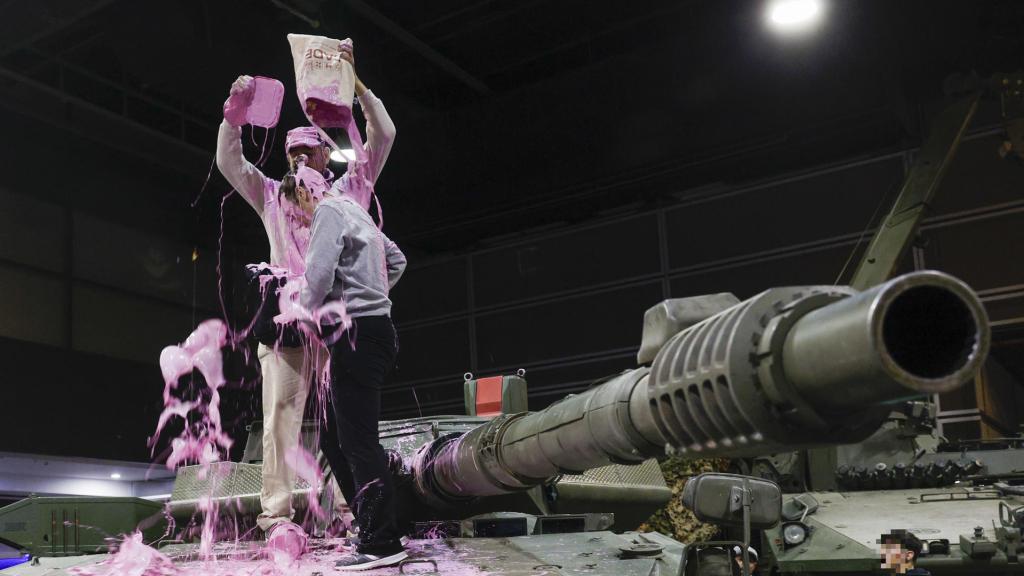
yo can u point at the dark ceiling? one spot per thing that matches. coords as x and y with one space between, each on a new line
511 114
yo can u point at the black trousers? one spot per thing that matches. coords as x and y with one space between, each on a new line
332 451
357 374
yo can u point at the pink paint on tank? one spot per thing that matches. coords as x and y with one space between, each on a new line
133 558
247 559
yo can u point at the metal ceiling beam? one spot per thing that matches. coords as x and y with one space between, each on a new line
67 112
42 19
121 87
407 38
614 28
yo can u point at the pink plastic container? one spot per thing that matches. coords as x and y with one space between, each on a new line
260 105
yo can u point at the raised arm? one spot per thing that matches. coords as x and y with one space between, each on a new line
380 132
245 178
325 244
380 129
395 261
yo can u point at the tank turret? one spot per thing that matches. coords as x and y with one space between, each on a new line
796 367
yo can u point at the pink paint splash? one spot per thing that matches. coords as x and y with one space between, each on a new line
310 322
307 468
203 441
137 559
133 558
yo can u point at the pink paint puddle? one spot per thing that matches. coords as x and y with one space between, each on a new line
134 558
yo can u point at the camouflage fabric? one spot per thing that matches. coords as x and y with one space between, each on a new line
674 520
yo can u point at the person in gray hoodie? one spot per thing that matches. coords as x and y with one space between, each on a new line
351 260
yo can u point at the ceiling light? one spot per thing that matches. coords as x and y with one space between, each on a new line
794 15
344 155
115 476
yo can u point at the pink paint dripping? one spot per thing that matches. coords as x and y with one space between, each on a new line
213 162
307 468
203 441
134 558
310 322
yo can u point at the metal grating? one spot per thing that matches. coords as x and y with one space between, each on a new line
222 480
647 473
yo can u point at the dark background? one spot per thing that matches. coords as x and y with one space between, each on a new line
559 168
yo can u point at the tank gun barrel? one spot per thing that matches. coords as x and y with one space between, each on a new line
790 368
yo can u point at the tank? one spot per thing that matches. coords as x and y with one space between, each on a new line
798 367
795 367
973 527
964 500
560 489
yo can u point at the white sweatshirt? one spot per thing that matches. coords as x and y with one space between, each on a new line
286 232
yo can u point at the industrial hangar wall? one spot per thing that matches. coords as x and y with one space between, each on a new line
82 330
567 304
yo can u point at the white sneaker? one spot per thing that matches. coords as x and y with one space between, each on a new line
356 562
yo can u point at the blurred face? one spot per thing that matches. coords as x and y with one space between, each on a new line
317 157
752 566
896 558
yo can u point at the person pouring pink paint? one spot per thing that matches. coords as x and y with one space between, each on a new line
288 370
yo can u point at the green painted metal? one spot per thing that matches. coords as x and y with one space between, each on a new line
825 551
513 395
68 526
845 528
570 554
897 231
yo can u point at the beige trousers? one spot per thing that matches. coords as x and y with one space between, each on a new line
287 375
